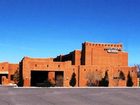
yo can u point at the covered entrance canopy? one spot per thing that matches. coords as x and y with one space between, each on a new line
47 78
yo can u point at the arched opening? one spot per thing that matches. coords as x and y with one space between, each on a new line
121 76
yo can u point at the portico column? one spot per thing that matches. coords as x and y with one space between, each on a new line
51 75
27 82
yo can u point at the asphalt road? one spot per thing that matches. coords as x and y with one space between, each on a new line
69 96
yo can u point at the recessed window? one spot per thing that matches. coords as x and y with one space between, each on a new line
73 70
35 65
47 65
84 69
58 65
2 67
115 77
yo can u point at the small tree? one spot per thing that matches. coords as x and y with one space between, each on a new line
16 77
73 80
129 80
118 76
90 78
93 78
105 80
138 70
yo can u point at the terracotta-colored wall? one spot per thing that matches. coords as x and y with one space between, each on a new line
8 69
93 58
96 54
30 64
112 72
12 69
4 67
77 57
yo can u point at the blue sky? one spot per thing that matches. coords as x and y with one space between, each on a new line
47 28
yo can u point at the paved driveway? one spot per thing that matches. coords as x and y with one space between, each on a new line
69 96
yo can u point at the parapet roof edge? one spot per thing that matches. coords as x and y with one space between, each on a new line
101 43
9 63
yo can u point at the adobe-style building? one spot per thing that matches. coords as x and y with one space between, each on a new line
97 64
7 72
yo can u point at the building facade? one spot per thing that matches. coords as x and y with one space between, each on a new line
7 72
96 64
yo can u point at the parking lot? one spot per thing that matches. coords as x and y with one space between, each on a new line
69 96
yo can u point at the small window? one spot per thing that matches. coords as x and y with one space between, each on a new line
73 70
2 67
58 65
35 65
47 65
115 78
